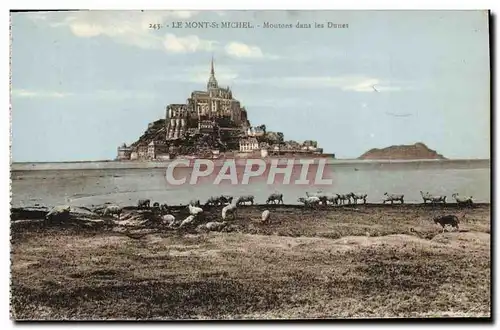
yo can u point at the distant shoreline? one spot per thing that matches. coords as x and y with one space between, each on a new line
103 164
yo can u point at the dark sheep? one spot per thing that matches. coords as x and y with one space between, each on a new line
144 204
447 220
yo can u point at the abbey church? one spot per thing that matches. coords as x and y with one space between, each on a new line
204 109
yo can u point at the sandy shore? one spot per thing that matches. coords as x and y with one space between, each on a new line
364 261
103 165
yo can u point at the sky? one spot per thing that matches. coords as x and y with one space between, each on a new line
85 82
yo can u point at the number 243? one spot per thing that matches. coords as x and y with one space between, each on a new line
155 26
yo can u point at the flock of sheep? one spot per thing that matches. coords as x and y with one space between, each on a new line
230 207
229 211
314 199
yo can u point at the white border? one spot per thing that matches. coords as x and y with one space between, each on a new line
175 4
252 4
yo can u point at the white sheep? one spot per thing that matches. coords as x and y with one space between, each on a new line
342 198
212 226
355 197
324 198
168 219
195 202
433 199
188 221
244 199
309 201
112 210
229 209
463 200
332 198
265 216
59 213
316 194
193 210
393 197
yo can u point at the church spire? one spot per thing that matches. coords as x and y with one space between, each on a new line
212 82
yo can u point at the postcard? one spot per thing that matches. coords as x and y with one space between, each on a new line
267 164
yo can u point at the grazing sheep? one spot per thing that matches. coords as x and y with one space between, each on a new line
193 210
213 201
229 209
112 210
463 201
188 221
332 198
58 213
324 198
394 197
143 204
245 199
168 219
433 199
164 207
309 201
275 198
356 197
224 200
212 226
447 220
266 215
195 202
343 198
316 194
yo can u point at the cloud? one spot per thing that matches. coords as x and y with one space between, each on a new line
111 94
283 103
127 27
232 77
241 50
24 93
238 49
199 75
99 94
371 85
352 83
188 44
133 28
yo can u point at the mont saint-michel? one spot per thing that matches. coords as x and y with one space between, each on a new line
212 124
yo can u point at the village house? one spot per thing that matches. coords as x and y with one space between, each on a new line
124 152
157 150
249 145
255 131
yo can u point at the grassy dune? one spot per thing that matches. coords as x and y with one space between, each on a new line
342 263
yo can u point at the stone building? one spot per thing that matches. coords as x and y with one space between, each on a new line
124 152
249 144
157 149
255 131
176 121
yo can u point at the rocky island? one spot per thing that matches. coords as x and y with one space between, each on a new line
211 124
403 152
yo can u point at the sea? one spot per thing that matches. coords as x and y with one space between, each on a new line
95 183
